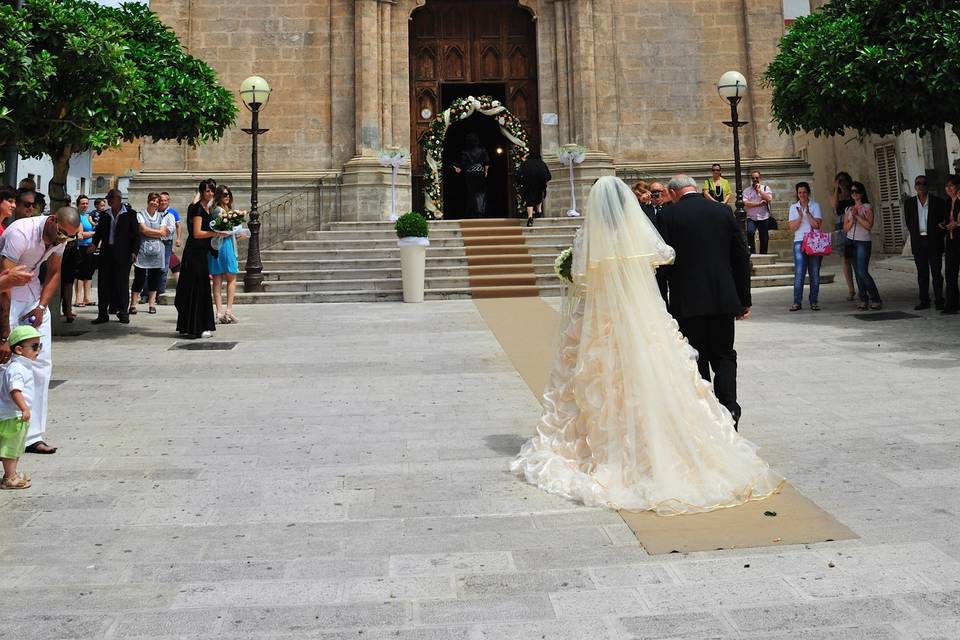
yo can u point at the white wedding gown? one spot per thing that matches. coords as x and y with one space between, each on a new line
628 423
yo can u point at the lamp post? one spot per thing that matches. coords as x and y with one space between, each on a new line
254 91
733 86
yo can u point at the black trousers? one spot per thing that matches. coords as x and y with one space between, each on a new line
712 337
951 273
113 284
761 227
928 263
150 277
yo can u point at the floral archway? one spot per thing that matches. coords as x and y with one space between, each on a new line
461 109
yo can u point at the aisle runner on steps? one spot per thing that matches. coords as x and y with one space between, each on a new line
498 261
526 330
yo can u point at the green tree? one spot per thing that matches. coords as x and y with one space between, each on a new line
875 66
94 76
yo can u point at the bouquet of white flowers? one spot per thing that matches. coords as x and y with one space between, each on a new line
563 265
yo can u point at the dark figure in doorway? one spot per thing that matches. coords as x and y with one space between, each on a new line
474 165
535 175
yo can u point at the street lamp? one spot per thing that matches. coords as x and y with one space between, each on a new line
733 86
255 92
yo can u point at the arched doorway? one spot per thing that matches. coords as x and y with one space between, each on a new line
462 48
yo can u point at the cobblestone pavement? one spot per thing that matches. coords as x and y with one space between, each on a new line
341 474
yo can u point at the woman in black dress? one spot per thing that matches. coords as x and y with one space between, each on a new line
534 175
474 164
194 301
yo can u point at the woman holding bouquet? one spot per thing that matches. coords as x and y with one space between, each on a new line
224 265
194 303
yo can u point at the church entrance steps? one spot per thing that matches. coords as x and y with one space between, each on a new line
360 262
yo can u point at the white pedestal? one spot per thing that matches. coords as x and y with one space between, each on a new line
413 262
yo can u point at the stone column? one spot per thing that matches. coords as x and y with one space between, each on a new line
578 101
366 184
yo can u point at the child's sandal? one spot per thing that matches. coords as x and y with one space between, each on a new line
21 481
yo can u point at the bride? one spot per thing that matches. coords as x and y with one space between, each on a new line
627 421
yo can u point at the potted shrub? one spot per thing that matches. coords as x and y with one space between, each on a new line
412 229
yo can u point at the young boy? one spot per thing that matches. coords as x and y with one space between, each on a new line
16 396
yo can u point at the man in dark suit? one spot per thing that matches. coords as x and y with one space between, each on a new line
659 201
923 214
118 238
709 282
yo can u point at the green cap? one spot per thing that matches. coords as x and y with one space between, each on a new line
21 333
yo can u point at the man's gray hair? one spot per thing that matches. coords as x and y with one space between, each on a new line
68 216
680 182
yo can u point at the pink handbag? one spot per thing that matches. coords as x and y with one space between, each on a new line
817 243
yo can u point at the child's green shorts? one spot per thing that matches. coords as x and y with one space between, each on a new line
13 435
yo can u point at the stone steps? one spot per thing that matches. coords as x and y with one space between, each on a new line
360 262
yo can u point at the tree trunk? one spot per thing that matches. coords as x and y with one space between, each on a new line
57 190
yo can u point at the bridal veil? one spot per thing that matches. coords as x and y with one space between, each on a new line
627 421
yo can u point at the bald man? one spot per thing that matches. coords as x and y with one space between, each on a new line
31 242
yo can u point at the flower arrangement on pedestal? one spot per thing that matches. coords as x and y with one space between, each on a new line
571 154
461 109
393 157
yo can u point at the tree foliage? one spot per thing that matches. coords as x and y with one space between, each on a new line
79 76
875 66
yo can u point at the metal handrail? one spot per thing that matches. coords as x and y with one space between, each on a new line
306 208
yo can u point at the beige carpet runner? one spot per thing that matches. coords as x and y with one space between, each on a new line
497 259
526 330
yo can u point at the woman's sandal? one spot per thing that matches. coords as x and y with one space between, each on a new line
79 304
132 311
862 306
233 318
814 307
795 307
20 481
876 306
152 310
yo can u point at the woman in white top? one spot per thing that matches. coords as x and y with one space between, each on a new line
149 265
805 216
857 223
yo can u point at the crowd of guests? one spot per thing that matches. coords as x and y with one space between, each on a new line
931 221
42 252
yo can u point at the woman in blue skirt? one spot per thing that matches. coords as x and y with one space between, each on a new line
224 264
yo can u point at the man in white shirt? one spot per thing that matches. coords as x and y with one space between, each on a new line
31 242
756 200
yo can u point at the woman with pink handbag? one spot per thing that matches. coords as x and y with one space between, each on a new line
805 217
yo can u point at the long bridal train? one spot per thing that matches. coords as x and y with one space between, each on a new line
627 421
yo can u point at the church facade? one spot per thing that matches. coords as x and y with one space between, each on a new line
634 83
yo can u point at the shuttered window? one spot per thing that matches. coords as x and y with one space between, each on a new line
889 206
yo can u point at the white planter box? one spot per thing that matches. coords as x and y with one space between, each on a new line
413 262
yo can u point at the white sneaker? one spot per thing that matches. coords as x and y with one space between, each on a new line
206 334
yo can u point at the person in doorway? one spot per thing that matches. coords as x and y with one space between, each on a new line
923 215
474 165
535 175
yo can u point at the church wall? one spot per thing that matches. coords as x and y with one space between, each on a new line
658 90
291 45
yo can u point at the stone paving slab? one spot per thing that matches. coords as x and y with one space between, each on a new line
342 474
